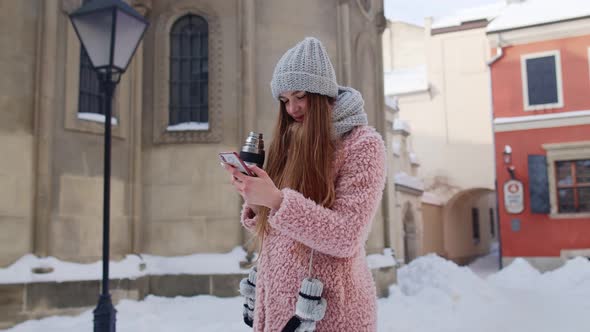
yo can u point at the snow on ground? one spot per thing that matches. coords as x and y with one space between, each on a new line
433 295
487 265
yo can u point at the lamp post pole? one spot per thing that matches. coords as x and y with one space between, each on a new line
105 314
110 31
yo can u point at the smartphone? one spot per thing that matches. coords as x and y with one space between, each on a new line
234 159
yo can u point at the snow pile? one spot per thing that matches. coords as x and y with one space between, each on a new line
534 12
136 266
434 272
519 274
132 267
573 276
228 263
436 295
489 264
21 270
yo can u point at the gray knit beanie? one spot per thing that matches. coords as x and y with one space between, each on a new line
305 67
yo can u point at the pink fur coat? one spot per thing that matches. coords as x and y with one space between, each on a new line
337 234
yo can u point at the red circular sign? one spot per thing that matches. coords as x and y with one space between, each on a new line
513 188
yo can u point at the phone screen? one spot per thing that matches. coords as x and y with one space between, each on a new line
234 159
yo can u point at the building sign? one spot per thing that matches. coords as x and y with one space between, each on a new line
513 196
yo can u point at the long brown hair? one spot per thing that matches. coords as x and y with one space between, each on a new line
300 156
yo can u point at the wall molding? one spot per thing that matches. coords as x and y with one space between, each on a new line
550 120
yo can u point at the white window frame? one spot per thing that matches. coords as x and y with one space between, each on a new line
525 90
563 152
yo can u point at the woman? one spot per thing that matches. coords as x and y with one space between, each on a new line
324 179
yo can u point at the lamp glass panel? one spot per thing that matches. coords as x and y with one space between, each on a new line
128 35
94 31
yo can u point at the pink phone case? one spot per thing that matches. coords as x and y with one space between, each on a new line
234 159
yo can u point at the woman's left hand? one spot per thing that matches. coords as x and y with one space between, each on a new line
259 190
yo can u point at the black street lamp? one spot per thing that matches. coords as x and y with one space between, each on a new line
110 31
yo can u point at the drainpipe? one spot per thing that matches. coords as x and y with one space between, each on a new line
497 57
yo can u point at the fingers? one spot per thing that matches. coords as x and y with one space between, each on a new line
238 185
258 171
233 171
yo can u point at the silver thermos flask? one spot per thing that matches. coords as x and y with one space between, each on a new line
252 152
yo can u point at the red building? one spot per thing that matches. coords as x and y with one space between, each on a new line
540 83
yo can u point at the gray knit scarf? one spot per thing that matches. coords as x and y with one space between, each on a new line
348 111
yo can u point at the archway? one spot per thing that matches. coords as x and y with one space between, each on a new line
466 228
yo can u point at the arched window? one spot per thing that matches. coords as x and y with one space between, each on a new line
189 73
90 98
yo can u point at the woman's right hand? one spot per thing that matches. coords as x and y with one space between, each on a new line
254 208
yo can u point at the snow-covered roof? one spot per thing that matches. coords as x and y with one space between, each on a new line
432 199
409 181
406 80
377 261
392 102
533 12
401 125
487 12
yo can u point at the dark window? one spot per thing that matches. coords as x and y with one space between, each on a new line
492 228
90 98
542 80
573 185
475 224
189 70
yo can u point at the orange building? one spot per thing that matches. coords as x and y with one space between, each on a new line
540 83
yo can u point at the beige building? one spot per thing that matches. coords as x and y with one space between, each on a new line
446 100
406 190
168 193
403 46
